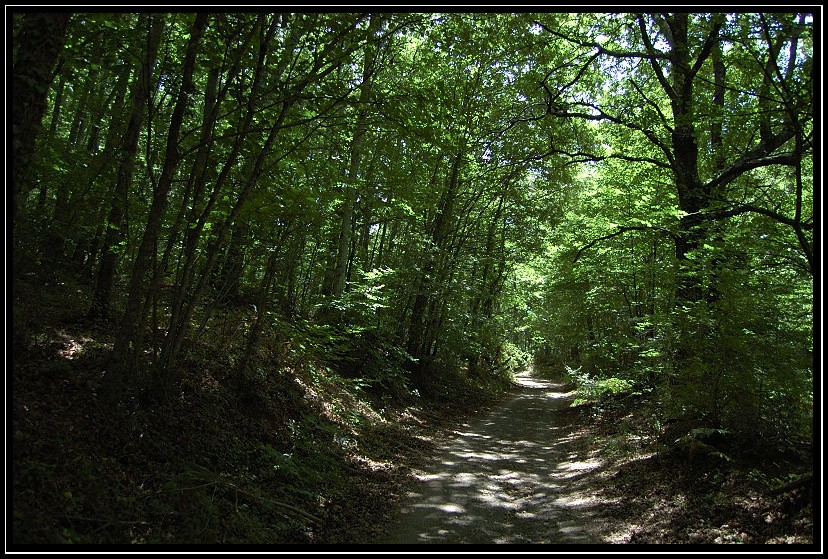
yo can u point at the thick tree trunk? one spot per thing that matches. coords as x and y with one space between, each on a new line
691 192
40 42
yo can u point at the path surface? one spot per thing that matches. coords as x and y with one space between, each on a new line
520 474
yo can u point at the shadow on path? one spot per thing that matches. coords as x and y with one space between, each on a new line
518 475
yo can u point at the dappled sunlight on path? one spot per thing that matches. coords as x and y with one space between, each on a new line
518 475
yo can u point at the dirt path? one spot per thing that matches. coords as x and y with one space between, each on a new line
520 474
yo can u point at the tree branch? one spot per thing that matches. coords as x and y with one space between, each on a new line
621 231
748 208
707 47
601 49
759 157
655 106
653 58
651 136
586 157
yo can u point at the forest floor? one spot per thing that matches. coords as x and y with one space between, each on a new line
535 470
523 472
302 456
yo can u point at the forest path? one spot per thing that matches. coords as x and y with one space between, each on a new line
521 473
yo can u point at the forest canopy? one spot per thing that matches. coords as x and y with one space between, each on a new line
405 196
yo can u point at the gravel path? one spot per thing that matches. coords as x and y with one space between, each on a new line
520 474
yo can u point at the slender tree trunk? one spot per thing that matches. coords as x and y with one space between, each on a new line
197 177
352 179
421 324
230 272
172 343
125 157
55 120
186 295
128 342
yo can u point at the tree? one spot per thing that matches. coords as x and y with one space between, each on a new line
39 39
683 69
125 157
433 191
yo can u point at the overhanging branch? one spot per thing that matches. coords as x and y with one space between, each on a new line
587 157
747 208
761 156
621 231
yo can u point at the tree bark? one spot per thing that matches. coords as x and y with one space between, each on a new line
41 39
125 157
352 179
129 339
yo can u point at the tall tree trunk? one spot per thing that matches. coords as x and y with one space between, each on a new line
93 108
483 301
55 120
187 294
230 272
125 157
197 178
421 324
352 179
86 248
129 339
40 41
175 337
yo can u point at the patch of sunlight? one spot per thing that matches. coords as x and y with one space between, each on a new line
474 435
452 508
634 458
429 477
493 498
445 507
525 443
72 348
572 469
373 465
409 415
568 438
571 529
559 395
574 500
487 455
526 383
508 475
580 465
466 478
310 393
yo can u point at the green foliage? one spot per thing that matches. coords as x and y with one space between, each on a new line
591 389
398 201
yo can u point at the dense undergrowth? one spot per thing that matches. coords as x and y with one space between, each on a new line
305 447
